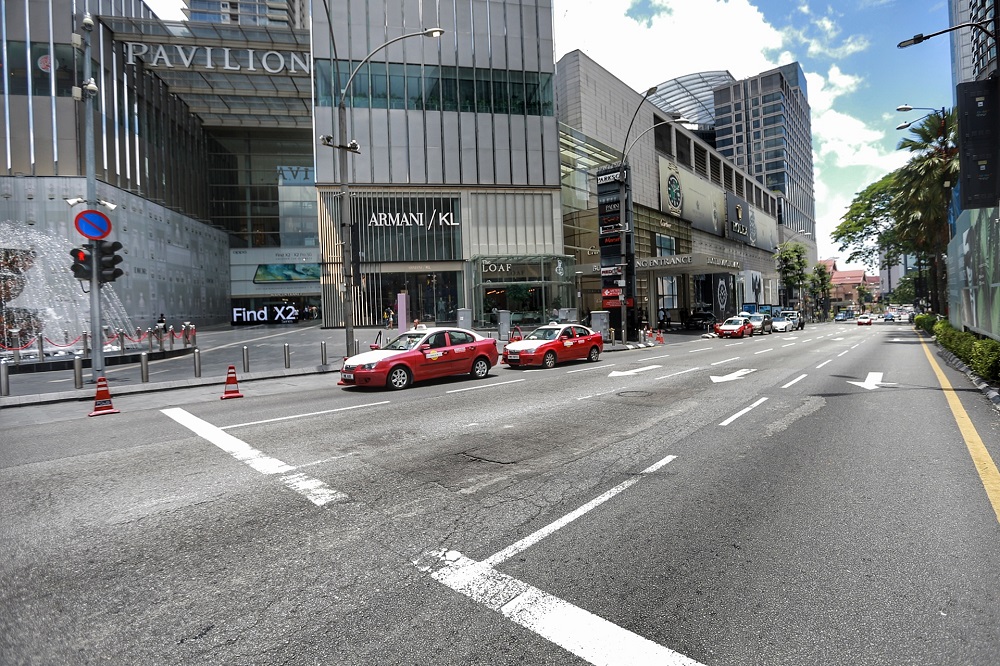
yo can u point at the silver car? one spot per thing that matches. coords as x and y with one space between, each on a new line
782 324
762 323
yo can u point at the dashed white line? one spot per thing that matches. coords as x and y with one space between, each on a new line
742 412
682 372
593 367
302 416
691 351
764 351
473 388
788 345
312 489
735 358
595 395
797 379
843 352
822 364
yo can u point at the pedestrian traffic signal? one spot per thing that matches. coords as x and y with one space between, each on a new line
108 259
83 263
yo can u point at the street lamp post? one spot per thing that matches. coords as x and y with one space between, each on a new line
623 208
345 191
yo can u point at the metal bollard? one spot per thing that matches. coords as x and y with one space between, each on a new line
144 367
4 378
159 335
78 372
246 359
322 352
41 348
288 357
149 333
184 334
194 335
86 344
121 341
170 331
197 362
17 355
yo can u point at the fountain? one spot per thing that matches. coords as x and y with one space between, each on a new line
40 297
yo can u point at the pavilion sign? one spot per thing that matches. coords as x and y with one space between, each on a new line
174 56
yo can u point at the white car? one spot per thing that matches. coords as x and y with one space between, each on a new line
782 324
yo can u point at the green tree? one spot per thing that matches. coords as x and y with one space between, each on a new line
791 263
868 228
904 291
820 286
864 296
924 195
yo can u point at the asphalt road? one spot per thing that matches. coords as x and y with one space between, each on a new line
807 498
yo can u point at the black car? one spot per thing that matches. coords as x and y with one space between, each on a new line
699 320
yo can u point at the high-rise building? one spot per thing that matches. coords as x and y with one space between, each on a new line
288 13
762 124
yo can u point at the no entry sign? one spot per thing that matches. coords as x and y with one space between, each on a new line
93 224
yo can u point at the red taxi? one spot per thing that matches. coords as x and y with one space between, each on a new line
419 354
734 327
554 343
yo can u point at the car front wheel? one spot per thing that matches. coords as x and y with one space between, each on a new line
480 368
549 361
399 378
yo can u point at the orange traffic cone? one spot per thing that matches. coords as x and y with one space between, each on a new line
232 388
659 337
102 401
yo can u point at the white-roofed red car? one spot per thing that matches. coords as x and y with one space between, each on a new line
554 343
419 354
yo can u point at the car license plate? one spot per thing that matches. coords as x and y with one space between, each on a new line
513 356
347 376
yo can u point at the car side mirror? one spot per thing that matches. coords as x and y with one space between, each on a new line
374 346
424 347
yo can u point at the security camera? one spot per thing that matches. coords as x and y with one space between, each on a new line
90 86
88 22
326 139
354 146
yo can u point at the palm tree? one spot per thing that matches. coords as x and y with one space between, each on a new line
924 194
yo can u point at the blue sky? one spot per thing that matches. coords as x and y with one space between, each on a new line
856 76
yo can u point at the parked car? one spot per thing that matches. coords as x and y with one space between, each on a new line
419 354
840 316
865 320
699 320
782 324
554 343
734 327
762 323
796 317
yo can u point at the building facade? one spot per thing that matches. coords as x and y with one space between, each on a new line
454 193
705 232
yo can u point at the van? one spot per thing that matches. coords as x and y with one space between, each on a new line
795 317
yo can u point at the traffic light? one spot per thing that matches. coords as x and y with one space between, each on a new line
83 262
107 260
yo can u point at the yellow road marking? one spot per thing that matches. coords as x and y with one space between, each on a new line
980 456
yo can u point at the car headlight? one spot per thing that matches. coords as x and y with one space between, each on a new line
367 366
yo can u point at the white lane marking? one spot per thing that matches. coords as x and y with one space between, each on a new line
624 373
691 351
843 352
302 416
742 412
788 345
596 395
580 632
797 379
855 345
473 388
312 489
822 364
732 376
533 538
764 351
735 358
674 374
652 358
733 344
595 367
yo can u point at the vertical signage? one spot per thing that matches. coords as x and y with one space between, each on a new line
614 226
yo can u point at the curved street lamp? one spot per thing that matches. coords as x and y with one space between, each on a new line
622 221
345 205
933 112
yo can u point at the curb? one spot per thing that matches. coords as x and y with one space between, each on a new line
992 393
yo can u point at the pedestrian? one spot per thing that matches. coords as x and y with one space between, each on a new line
161 323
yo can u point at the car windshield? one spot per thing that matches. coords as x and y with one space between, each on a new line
756 317
405 341
778 320
735 321
544 333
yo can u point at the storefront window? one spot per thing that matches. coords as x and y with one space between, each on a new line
533 288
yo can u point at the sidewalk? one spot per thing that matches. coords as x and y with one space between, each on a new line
221 347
